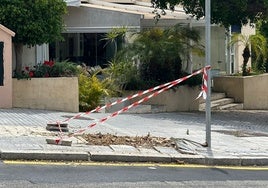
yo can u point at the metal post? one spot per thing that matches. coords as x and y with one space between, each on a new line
208 59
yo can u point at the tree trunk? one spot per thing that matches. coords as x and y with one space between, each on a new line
189 65
18 52
246 56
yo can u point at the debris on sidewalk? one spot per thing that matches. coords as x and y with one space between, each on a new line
186 146
59 142
57 126
136 141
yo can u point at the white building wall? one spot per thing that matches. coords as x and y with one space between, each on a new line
218 50
94 20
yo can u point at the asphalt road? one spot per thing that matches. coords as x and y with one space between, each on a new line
37 174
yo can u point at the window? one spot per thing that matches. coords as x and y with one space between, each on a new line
88 48
1 63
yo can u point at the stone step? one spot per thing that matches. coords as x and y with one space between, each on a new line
140 109
159 108
214 96
223 101
232 106
147 109
216 103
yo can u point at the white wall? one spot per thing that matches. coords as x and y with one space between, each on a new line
96 20
218 49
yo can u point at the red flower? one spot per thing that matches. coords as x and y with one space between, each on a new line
27 68
31 74
49 63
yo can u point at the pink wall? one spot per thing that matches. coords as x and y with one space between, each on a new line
6 90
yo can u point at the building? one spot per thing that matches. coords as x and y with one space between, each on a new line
6 67
88 20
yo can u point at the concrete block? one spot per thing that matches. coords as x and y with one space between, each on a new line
59 142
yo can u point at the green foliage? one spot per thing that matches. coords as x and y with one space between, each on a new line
33 21
159 53
257 51
123 73
90 92
94 85
64 69
116 37
262 64
227 12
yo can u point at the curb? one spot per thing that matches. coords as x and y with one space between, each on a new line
41 155
162 158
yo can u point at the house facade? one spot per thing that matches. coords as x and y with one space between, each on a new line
6 67
88 21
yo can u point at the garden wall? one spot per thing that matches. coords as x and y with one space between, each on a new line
250 90
178 99
60 93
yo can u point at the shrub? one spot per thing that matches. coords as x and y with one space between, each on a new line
90 92
122 73
93 87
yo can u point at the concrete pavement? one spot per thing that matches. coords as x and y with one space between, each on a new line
238 137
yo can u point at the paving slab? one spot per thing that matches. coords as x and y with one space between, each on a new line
23 135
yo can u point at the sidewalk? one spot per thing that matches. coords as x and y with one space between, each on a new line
238 137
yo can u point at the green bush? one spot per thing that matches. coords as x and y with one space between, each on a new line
91 91
123 73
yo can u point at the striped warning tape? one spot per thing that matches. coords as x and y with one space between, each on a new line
167 86
162 88
136 95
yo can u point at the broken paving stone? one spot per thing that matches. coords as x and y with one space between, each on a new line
59 142
54 126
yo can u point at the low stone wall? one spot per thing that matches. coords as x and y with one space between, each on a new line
47 93
178 99
250 90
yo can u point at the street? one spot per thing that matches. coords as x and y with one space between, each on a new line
48 174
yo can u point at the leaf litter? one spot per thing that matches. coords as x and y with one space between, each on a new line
147 141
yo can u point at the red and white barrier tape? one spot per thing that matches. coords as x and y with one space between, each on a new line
162 88
204 87
171 84
132 96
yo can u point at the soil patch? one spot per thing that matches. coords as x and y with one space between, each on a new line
136 141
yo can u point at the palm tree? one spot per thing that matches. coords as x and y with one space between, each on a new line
253 43
160 52
114 36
